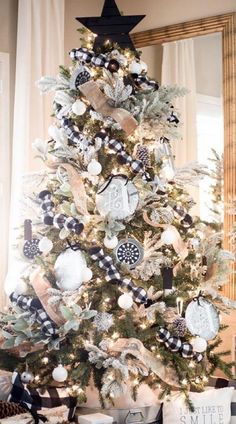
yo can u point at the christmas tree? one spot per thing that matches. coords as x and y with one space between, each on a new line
122 283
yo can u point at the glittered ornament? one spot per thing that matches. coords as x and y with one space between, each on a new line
80 76
78 108
125 301
117 197
27 377
103 321
69 269
31 245
94 167
202 318
130 252
179 326
45 245
110 242
199 344
59 373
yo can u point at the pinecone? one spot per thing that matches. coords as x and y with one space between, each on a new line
179 326
142 153
8 409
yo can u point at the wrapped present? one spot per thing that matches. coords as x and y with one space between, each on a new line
33 400
96 418
54 416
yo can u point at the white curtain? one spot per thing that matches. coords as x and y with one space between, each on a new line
40 50
178 67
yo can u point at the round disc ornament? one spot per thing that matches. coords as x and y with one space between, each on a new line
80 76
31 245
129 252
202 318
117 197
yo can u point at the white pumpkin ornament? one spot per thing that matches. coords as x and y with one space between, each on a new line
110 242
69 269
125 301
45 245
59 373
79 108
94 167
199 344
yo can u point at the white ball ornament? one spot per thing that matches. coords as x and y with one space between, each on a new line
125 301
45 245
135 67
21 287
69 269
27 377
199 344
79 108
87 275
59 373
94 167
110 242
168 236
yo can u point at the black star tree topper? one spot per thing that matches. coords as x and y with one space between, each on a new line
111 26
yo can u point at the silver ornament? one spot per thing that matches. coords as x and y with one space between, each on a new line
130 252
202 319
26 377
69 269
117 197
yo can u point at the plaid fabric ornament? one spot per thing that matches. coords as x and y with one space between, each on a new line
123 156
75 137
33 305
187 220
60 220
105 262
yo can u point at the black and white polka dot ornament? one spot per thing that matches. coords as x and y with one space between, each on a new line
31 245
80 76
130 252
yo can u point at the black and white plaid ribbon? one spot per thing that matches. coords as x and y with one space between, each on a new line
33 401
144 82
75 137
123 156
60 220
175 344
33 305
105 262
186 220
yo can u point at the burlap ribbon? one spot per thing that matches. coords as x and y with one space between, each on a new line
77 188
178 245
99 101
41 286
136 348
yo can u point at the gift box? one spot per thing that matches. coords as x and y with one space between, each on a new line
96 418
